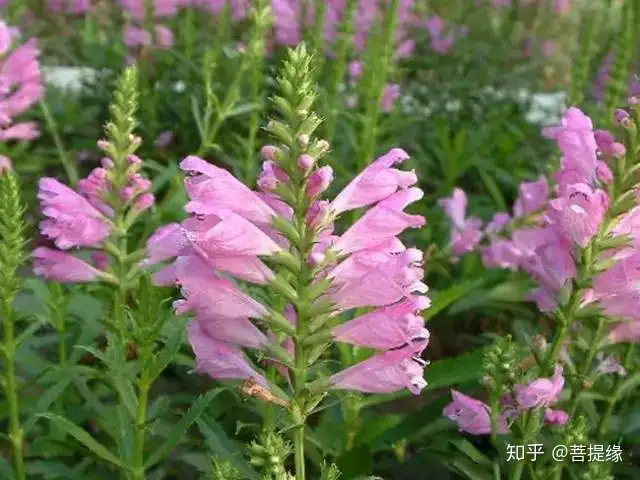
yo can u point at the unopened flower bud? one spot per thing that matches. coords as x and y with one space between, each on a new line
104 145
305 162
5 164
144 202
319 181
106 163
303 140
269 152
622 117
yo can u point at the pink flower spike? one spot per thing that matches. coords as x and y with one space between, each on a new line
471 415
355 69
219 359
376 182
385 328
383 222
216 188
72 220
319 181
62 267
579 212
386 372
542 392
555 417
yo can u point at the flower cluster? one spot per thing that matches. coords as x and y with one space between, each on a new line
474 416
87 218
281 240
21 84
135 36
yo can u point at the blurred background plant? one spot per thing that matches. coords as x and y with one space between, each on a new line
463 86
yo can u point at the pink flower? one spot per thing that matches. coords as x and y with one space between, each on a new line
211 188
164 37
609 365
385 372
62 267
386 327
552 266
74 7
355 69
96 189
472 416
376 278
466 233
134 37
211 295
237 331
6 38
390 94
501 253
627 332
499 221
382 222
576 140
71 220
160 8
579 212
20 131
376 182
555 417
532 197
542 392
219 359
164 139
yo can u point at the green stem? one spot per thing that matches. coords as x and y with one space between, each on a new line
379 64
586 366
339 70
530 426
67 164
615 394
141 420
16 434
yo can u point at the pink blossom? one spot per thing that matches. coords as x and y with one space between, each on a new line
355 69
552 266
219 359
211 188
387 327
609 365
376 278
501 253
472 416
466 233
164 139
62 267
532 197
71 220
164 37
96 189
385 372
498 223
555 417
576 140
6 38
20 131
160 8
211 295
319 181
286 14
74 7
382 222
390 94
376 182
579 212
134 37
542 392
627 331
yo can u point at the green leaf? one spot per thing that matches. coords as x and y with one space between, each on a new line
444 298
472 452
5 469
170 349
493 189
356 462
179 429
47 399
221 445
454 371
83 437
